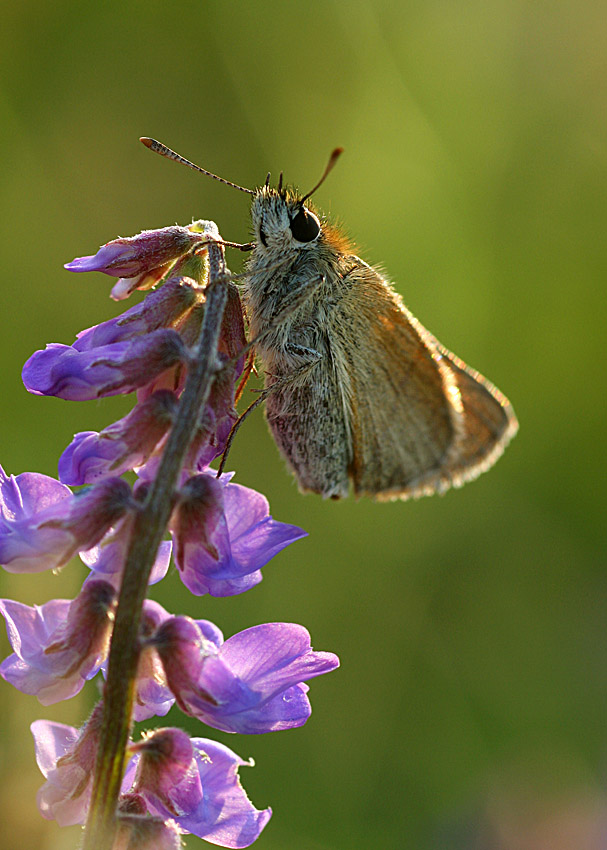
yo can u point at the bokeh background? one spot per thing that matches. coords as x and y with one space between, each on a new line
470 709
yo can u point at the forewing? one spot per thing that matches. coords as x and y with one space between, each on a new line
403 417
421 420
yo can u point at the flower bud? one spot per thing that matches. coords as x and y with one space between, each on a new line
195 782
122 446
199 517
167 762
135 255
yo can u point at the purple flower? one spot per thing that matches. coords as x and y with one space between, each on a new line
28 493
135 255
66 758
142 349
101 353
42 525
223 535
166 772
122 446
195 781
252 683
220 413
152 693
215 424
59 645
64 372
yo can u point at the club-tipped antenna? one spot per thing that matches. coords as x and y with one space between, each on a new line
329 167
163 150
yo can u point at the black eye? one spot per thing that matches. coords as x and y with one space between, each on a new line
305 226
262 236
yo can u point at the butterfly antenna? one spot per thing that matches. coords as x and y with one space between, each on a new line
163 150
329 167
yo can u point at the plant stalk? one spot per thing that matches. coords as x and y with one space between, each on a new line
148 530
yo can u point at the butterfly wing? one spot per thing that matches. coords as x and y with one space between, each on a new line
489 422
420 419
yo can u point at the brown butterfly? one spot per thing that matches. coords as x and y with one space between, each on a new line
357 390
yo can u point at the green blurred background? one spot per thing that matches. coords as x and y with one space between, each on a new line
469 711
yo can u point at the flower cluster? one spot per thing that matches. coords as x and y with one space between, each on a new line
221 536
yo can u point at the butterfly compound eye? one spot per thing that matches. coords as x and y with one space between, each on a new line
305 226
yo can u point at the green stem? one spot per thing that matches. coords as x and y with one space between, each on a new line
148 530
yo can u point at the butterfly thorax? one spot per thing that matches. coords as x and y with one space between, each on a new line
280 265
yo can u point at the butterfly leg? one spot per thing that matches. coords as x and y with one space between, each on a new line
278 384
311 357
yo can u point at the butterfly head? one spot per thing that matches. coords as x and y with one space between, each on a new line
281 221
